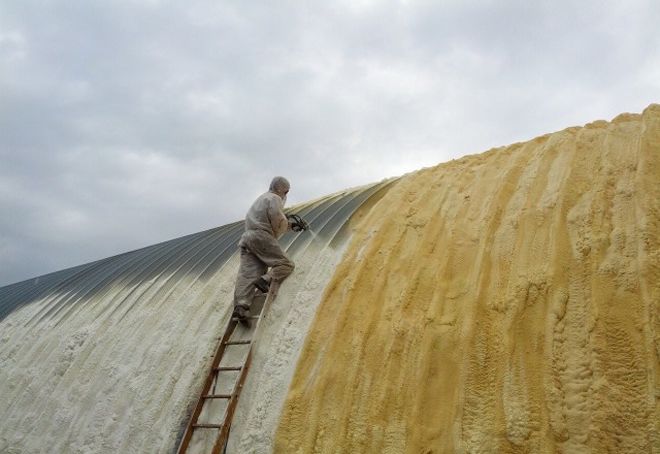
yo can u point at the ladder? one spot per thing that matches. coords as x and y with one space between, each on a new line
220 375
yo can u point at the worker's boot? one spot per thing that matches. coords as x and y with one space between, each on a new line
262 284
242 313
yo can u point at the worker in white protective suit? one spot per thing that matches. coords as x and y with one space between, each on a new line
265 222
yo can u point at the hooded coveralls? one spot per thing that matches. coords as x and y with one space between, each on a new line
265 222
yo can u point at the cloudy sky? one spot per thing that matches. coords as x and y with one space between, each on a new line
124 123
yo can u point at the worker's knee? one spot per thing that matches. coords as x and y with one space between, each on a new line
283 269
291 267
288 267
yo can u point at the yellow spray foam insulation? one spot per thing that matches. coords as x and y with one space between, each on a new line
505 302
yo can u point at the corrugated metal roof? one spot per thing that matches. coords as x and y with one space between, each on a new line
197 256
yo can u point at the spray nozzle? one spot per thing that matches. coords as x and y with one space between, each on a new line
298 224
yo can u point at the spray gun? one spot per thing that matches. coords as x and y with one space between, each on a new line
298 224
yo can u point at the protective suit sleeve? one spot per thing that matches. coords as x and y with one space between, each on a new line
278 220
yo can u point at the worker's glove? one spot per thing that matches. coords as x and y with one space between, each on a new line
297 223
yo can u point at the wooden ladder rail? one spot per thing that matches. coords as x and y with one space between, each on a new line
223 435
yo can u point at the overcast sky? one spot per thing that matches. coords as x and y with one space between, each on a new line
125 123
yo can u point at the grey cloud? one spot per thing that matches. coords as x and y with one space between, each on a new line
126 123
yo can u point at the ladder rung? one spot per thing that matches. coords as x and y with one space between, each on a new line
249 317
218 396
207 426
243 342
222 369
